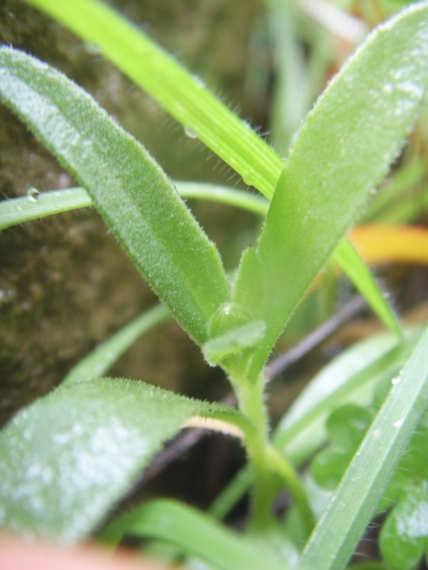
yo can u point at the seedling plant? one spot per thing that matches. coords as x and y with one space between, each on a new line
68 458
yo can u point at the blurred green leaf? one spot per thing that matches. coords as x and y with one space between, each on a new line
195 533
66 459
404 535
346 427
99 361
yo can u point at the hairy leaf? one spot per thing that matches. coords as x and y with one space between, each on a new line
68 457
129 189
342 152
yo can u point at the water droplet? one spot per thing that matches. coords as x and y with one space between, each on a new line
32 194
92 49
396 381
249 177
399 423
190 133
199 82
377 433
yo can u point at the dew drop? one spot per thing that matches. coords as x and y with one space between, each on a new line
92 49
199 82
249 177
190 133
399 423
32 194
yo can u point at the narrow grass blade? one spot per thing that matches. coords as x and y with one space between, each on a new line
195 533
223 194
98 362
33 207
129 189
358 272
17 211
73 454
185 97
342 152
345 519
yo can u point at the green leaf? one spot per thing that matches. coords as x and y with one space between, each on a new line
341 153
195 533
249 283
66 459
404 536
129 189
340 528
346 427
233 342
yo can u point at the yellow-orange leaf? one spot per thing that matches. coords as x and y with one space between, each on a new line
378 243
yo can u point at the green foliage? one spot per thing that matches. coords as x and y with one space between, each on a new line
187 99
194 533
404 535
134 200
372 467
69 457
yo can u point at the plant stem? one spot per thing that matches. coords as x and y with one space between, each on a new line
266 464
251 403
281 466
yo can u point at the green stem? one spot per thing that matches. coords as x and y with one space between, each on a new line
251 403
266 464
292 482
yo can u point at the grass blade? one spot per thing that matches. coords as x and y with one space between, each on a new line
24 209
345 519
185 97
358 272
98 362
